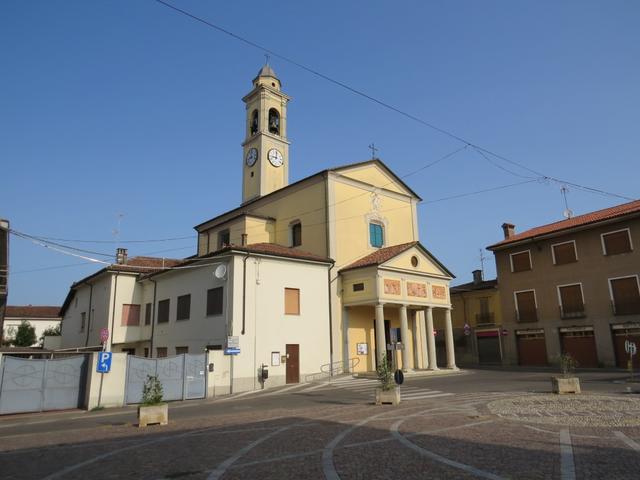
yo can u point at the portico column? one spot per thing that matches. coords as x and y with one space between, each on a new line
404 333
345 337
448 332
415 329
381 346
431 339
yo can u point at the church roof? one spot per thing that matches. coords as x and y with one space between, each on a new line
267 71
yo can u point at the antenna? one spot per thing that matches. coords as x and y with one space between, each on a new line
567 213
116 231
482 258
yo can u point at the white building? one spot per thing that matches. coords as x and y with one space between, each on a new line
41 317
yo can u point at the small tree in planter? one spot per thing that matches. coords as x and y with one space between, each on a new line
388 391
152 410
566 382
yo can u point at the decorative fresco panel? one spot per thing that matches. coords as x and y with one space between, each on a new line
391 287
439 292
416 289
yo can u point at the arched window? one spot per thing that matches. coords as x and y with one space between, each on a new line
376 234
254 122
274 121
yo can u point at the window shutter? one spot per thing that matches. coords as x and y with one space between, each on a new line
163 311
214 301
521 262
147 314
526 304
571 298
564 253
291 301
184 307
617 242
625 295
130 315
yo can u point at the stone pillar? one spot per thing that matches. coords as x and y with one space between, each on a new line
404 332
448 332
345 339
381 346
415 330
431 339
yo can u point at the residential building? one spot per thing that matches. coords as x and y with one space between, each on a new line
40 317
572 287
477 315
330 266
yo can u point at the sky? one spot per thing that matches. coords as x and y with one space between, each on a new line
126 115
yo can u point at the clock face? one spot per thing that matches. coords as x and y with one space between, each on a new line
252 157
275 157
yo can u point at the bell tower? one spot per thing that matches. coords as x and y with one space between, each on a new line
265 161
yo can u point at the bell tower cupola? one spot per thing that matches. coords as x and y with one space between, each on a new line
265 164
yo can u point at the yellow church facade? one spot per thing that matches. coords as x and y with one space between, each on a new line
384 286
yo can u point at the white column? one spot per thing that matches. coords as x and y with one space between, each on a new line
404 332
381 346
431 339
416 341
345 339
448 332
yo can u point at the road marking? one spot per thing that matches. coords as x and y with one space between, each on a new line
629 442
567 467
286 389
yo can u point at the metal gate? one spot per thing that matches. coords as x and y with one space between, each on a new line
33 385
182 377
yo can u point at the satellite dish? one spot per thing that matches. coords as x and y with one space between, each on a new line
568 213
220 272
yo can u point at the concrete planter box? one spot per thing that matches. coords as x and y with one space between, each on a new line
562 385
150 414
388 396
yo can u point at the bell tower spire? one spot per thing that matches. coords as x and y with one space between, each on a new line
265 166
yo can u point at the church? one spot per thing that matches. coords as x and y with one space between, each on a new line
324 274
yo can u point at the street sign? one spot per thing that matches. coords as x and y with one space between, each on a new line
398 376
467 329
231 351
104 335
630 347
435 332
233 342
104 362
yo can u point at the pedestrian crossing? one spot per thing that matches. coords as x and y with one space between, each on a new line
366 386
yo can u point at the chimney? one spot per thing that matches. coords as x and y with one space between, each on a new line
243 239
508 229
477 277
121 256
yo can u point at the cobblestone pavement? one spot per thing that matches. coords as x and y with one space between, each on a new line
485 435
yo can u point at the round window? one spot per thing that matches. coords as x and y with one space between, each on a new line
414 261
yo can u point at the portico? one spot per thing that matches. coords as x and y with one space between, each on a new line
388 303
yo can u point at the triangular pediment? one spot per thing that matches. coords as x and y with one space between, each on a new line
419 260
377 174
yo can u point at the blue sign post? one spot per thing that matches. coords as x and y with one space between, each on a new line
104 362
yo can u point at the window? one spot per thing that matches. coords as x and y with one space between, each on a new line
376 235
485 316
223 239
520 261
129 351
358 287
625 295
181 350
564 252
254 122
214 301
526 308
161 352
292 301
296 234
130 315
184 307
163 311
146 352
616 242
274 121
414 261
147 314
83 320
571 301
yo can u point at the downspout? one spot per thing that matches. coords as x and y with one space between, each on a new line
86 342
328 241
113 310
244 291
330 320
153 317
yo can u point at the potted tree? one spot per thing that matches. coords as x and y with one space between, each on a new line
388 391
153 409
566 382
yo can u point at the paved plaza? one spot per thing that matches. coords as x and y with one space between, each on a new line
478 424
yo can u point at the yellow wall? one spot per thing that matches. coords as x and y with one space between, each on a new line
373 176
467 305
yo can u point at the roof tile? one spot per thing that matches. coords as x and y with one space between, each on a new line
379 256
32 311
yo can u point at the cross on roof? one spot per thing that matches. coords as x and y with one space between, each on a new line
373 150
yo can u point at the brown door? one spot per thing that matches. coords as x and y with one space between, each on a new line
532 349
293 363
582 347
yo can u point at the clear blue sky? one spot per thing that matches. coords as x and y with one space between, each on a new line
117 106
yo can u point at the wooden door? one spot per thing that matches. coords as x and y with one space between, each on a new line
532 350
582 347
293 363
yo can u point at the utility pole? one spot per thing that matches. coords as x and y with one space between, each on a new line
4 271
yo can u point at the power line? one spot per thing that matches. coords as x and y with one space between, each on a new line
48 242
386 105
153 240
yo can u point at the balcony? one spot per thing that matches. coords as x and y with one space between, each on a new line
627 307
573 312
485 318
526 316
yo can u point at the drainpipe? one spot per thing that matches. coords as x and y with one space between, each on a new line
113 309
330 320
244 290
86 342
153 317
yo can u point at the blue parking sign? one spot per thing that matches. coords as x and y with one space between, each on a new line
104 362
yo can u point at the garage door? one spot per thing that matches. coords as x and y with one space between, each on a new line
581 345
532 350
622 333
489 347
